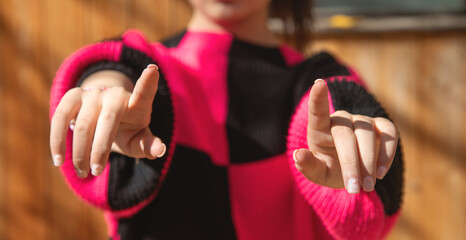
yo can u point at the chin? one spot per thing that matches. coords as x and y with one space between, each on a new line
229 11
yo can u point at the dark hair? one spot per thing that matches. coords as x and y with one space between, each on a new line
297 20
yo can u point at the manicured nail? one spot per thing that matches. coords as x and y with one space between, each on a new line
294 155
318 81
368 184
381 172
80 173
96 169
72 124
163 152
153 66
352 186
57 160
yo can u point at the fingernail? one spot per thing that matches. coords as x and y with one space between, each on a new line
352 186
57 160
153 66
72 124
96 169
318 81
381 172
80 173
294 155
368 183
163 152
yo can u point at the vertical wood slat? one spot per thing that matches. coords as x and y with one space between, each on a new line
419 78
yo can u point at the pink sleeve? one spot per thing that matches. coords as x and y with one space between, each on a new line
346 216
95 190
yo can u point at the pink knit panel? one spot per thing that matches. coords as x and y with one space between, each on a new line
266 204
197 77
292 57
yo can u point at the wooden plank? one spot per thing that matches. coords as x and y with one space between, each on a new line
68 30
3 124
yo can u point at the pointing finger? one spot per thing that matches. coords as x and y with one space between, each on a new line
145 89
318 128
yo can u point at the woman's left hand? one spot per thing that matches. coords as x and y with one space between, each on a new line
344 150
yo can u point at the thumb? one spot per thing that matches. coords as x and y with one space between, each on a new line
310 166
146 145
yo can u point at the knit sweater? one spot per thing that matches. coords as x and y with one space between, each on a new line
231 113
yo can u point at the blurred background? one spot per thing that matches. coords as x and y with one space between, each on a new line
411 53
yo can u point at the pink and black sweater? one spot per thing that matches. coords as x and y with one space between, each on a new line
231 114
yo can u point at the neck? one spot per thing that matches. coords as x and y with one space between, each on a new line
253 29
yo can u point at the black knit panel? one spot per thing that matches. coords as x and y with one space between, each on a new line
135 59
259 104
321 65
354 99
131 182
108 65
175 40
193 203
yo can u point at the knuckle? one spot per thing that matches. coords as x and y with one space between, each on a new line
118 90
348 162
56 142
342 131
78 160
99 152
342 113
368 158
143 120
110 114
83 124
363 119
73 91
59 115
115 92
388 127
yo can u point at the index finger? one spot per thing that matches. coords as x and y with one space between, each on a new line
318 112
145 88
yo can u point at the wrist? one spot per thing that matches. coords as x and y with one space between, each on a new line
107 79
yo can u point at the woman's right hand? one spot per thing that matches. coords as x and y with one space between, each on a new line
106 119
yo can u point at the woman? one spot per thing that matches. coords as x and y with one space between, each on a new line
249 145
